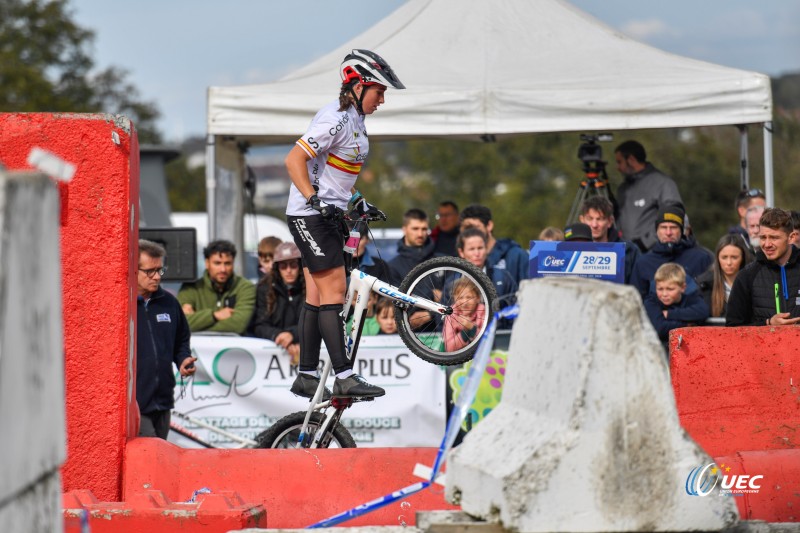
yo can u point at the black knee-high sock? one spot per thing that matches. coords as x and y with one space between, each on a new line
310 338
331 326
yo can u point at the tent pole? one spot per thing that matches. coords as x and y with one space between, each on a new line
744 170
211 185
769 190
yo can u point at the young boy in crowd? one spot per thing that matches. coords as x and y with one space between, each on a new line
670 307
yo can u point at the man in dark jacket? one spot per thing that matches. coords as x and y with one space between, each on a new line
745 200
672 247
446 231
502 254
767 291
644 191
415 247
162 339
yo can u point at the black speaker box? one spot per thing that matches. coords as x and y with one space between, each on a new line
181 246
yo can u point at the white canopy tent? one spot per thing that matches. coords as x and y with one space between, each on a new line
478 68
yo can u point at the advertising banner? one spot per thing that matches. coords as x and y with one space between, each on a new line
601 260
242 386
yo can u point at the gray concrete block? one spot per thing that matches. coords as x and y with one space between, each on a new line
32 446
587 436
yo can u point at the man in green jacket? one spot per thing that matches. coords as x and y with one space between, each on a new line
220 300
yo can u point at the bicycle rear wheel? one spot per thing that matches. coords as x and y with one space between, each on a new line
285 433
447 339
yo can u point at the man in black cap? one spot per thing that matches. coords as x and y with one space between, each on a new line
672 247
578 232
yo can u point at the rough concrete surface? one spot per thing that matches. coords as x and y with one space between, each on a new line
587 436
31 354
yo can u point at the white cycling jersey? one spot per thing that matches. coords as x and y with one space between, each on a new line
337 143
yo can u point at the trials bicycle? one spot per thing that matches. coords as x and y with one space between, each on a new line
426 306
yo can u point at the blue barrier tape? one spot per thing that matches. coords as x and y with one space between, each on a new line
85 521
457 415
371 506
195 494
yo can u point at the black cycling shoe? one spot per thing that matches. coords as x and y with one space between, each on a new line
305 385
355 386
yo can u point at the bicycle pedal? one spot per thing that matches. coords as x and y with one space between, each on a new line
363 398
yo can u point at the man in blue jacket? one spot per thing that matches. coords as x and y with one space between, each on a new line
672 247
415 247
502 254
162 339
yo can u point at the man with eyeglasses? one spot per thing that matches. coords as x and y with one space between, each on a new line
748 200
162 338
220 300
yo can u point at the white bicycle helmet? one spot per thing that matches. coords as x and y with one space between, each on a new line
368 68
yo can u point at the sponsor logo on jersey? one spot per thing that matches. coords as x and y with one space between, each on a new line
300 224
309 146
339 125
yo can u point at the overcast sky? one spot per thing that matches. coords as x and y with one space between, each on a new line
175 49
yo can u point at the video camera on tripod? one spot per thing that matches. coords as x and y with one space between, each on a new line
590 152
595 181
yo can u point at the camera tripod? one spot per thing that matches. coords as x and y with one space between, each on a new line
594 183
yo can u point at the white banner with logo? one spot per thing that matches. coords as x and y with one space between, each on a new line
242 386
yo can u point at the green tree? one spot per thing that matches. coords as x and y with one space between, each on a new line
531 181
185 186
45 66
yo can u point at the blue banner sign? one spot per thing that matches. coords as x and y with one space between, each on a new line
600 260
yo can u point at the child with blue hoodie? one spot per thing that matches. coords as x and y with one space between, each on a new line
670 307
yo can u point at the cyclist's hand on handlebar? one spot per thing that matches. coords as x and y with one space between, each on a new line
327 211
364 208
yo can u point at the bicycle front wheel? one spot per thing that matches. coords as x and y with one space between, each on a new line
446 339
285 433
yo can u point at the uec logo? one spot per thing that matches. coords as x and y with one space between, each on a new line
553 261
702 480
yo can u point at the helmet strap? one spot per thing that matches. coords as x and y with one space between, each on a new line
358 99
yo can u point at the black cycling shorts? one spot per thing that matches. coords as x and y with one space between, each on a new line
320 242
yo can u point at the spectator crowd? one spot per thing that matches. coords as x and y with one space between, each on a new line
751 278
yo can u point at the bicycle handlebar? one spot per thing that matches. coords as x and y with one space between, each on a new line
344 215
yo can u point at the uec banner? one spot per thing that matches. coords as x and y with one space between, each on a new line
242 386
603 260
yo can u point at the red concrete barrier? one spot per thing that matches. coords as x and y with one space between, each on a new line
99 221
153 512
296 487
778 495
738 389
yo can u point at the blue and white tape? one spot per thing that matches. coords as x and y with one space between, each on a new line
457 415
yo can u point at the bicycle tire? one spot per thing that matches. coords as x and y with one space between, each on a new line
439 273
285 432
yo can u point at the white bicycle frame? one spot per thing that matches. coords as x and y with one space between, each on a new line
361 284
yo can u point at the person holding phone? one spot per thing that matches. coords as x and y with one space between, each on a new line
162 339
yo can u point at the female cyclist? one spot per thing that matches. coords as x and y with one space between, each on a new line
324 165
